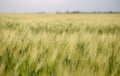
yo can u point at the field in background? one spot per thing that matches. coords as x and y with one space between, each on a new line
60 45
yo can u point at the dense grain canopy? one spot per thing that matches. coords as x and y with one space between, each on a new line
60 45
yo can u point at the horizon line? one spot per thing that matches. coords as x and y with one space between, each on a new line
61 12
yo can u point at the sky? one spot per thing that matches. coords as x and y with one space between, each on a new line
31 6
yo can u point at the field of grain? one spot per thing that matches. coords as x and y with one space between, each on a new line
60 45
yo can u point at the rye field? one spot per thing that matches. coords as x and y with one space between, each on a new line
59 44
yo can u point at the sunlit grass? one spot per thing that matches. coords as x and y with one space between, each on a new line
60 45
